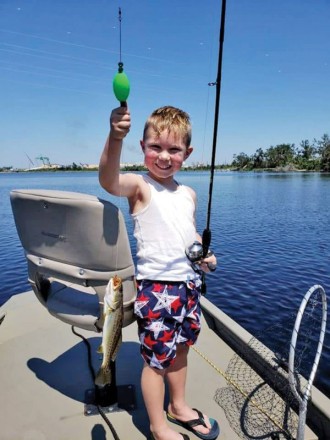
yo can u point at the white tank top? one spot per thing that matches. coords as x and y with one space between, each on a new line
163 230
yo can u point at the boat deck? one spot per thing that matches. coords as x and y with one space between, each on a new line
45 375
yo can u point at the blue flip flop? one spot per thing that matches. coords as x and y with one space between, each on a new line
190 424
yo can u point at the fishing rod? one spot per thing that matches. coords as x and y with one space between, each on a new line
206 238
201 250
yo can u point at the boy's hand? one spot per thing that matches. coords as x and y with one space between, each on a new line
209 263
120 123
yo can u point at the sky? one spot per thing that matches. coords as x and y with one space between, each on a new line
58 59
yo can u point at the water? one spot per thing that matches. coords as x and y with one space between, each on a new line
271 234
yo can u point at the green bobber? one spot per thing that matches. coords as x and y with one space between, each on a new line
121 86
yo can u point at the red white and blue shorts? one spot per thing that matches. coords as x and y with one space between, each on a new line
168 314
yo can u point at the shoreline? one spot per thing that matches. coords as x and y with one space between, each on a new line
193 169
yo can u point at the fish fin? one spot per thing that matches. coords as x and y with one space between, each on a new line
100 349
103 377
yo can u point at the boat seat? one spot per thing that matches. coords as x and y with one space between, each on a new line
74 243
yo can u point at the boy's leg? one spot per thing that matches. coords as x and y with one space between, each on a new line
176 376
153 390
152 385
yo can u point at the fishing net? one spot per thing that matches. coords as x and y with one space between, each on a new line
258 402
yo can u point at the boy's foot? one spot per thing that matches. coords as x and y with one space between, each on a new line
196 422
169 434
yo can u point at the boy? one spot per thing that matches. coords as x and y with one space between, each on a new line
167 304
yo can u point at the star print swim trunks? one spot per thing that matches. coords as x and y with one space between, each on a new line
168 313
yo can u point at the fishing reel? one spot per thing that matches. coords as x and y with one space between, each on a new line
195 252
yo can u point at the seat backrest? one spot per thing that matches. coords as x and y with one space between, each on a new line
74 243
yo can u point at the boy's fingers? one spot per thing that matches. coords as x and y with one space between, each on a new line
208 264
121 110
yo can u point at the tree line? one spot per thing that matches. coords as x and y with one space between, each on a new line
309 156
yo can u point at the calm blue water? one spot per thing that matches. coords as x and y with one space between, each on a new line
271 234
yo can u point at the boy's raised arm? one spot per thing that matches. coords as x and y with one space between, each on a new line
109 167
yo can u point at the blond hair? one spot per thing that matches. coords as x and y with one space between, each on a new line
171 119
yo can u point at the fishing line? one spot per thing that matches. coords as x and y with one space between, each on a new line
49 71
206 237
56 41
119 18
88 62
46 86
47 52
121 89
52 75
42 54
206 114
90 365
208 90
205 122
121 85
100 49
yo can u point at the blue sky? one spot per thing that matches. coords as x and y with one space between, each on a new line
58 59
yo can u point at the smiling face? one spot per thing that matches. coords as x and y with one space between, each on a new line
164 154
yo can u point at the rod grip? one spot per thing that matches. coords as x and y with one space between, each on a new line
206 241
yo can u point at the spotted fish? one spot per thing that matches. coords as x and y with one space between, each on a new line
112 329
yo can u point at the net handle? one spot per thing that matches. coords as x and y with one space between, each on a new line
303 400
294 341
